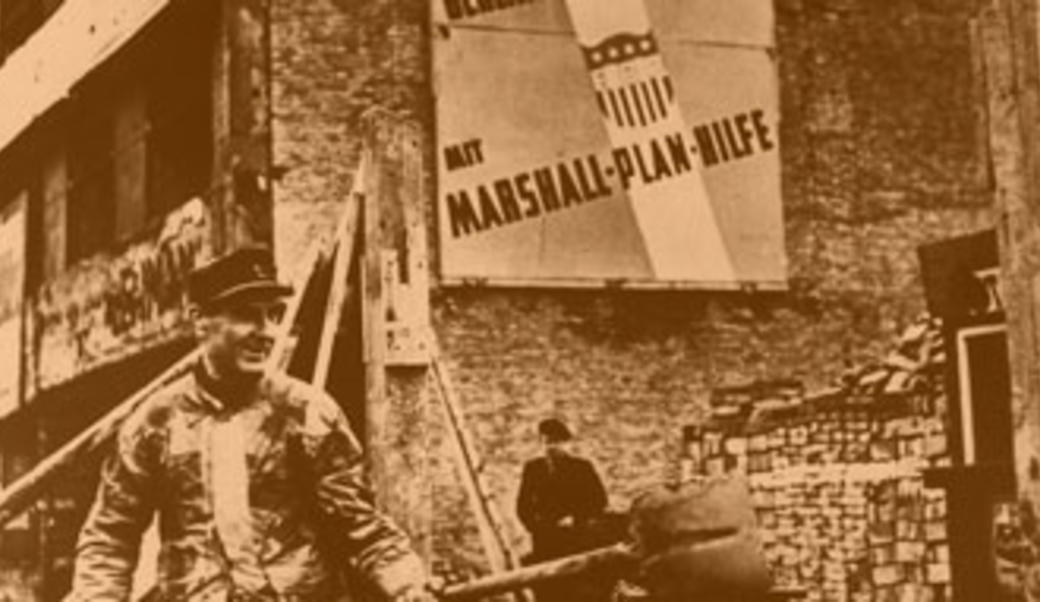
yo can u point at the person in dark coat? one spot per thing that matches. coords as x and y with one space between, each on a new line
561 500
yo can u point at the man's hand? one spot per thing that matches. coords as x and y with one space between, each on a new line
416 594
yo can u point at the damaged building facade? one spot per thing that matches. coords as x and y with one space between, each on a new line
817 362
121 163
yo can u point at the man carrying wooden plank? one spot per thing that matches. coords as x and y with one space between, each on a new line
256 477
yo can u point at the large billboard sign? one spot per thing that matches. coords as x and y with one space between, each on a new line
583 142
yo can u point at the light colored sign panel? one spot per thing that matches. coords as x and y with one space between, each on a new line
107 308
12 291
583 141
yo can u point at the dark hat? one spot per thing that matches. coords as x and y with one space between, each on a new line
245 273
554 430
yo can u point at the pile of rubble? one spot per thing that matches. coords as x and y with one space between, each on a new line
837 475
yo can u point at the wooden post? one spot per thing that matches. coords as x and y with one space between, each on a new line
241 198
394 294
371 274
1009 41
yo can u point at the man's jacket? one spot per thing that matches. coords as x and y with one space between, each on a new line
565 488
307 497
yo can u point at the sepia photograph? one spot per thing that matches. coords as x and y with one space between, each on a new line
520 300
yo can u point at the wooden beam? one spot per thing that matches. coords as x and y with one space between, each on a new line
17 498
617 557
397 408
374 320
489 525
281 350
340 289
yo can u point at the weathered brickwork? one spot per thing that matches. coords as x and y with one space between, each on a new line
879 149
333 61
837 476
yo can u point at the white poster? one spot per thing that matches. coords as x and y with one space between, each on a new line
585 142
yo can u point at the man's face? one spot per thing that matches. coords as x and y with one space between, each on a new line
237 339
552 448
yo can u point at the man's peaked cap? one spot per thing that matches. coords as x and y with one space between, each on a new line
247 273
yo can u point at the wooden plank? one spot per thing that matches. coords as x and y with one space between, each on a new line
617 556
16 498
85 35
498 553
281 350
340 291
373 323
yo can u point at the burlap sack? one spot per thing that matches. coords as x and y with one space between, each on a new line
698 542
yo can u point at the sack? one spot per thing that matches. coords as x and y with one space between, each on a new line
698 541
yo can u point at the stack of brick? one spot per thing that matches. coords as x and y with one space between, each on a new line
909 556
836 477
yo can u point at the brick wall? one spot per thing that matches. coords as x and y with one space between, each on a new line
879 150
837 477
333 60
